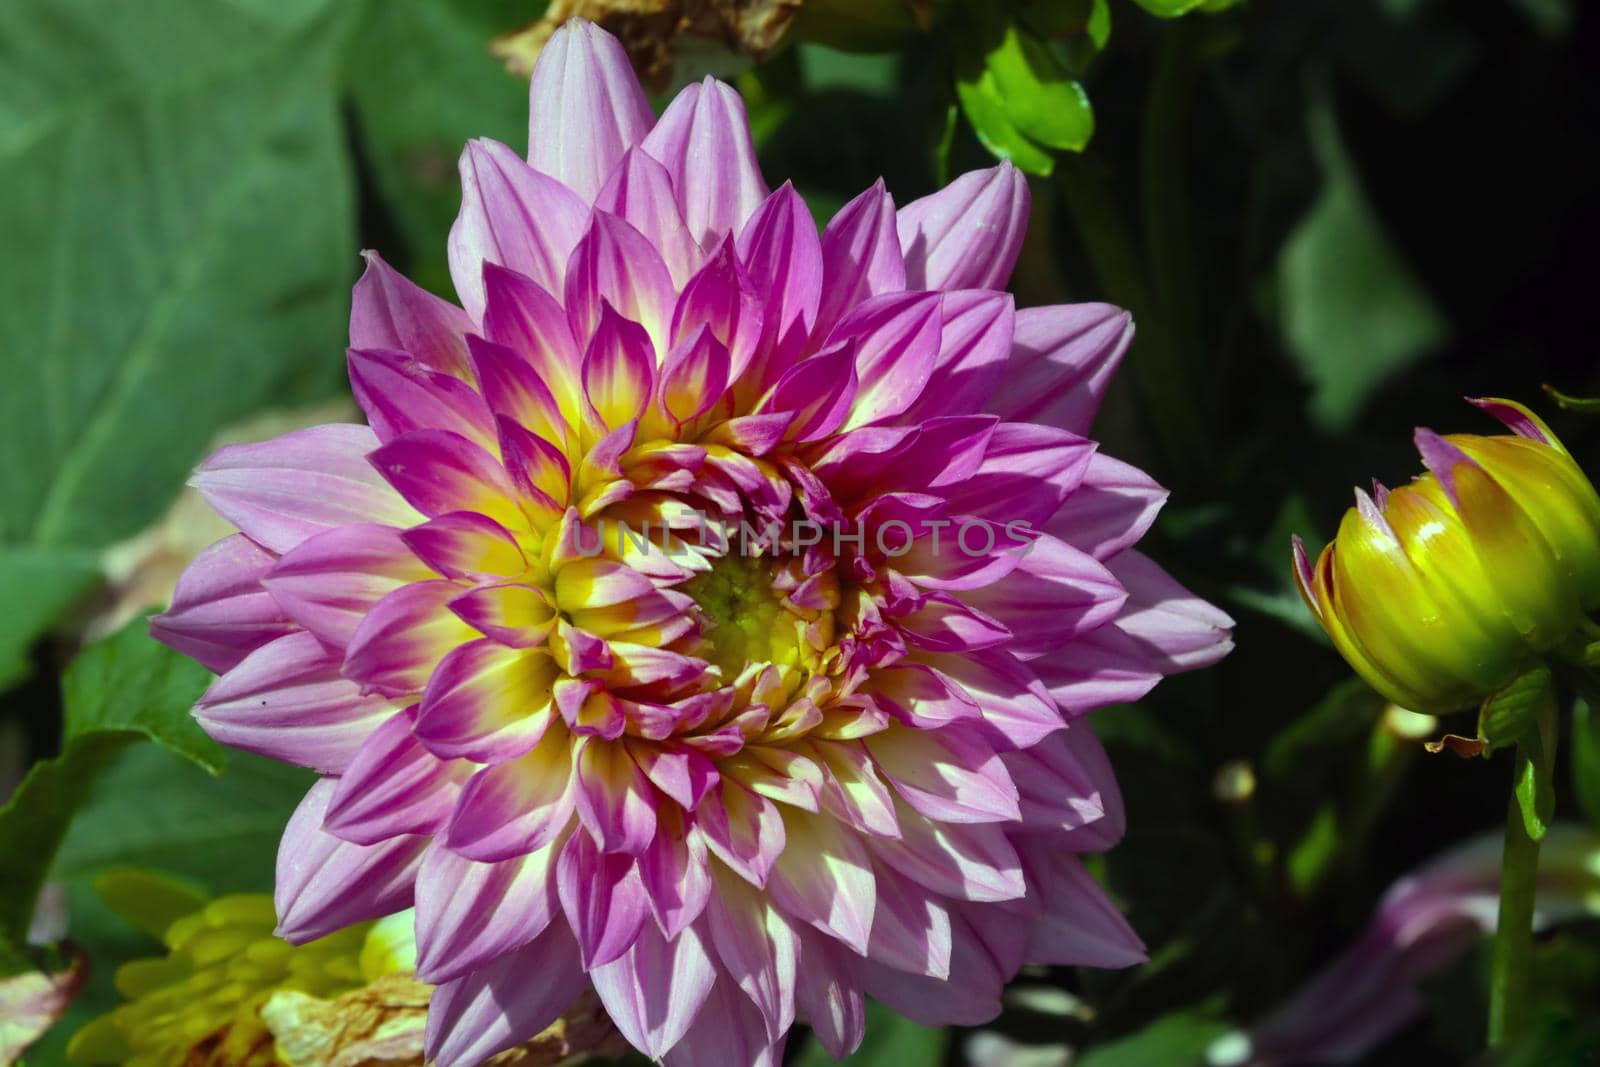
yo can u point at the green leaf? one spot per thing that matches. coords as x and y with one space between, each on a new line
984 108
121 689
37 586
1040 98
1352 312
150 901
1509 716
891 1041
856 25
179 245
1170 9
1586 761
1174 1041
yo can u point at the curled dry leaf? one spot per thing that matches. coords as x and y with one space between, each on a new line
30 1004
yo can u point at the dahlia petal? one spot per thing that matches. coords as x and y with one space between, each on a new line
828 998
824 877
393 786
537 467
619 369
975 343
817 393
725 299
910 929
968 234
780 248
464 544
518 616
331 581
950 774
1059 782
728 1030
919 696
743 830
860 256
220 611
653 991
470 914
1089 765
325 883
1113 508
487 703
513 389
586 108
513 216
616 801
603 898
640 192
1026 476
1011 698
282 491
287 700
516 807
526 319
970 861
439 472
1056 593
945 624
972 552
506 1002
1098 669
1062 362
1079 925
1181 631
399 394
615 264
896 338
853 791
396 646
388 311
703 141
972 1001
676 875
694 376
678 771
758 949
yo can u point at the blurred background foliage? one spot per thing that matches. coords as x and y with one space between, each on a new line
1331 218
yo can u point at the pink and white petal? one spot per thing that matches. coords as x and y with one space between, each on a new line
1060 783
287 700
968 234
974 347
653 991
464 544
677 770
538 468
853 790
1092 765
220 611
404 636
516 393
640 192
971 1001
896 340
757 947
780 249
743 830
603 897
513 216
827 995
282 491
470 914
824 877
506 1002
911 928
1061 364
393 786
1080 926
399 393
945 624
440 472
817 393
616 264
724 298
388 311
325 883
728 1030
586 108
951 774
860 256
1026 476
619 369
1098 669
1011 697
1181 631
695 376
1111 510
970 861
518 616
518 807
919 696
676 874
487 702
1056 593
703 141
616 802
331 581
530 322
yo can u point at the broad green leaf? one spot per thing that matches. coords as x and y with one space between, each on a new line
891 1041
37 586
179 246
124 688
1040 98
984 108
1508 716
1352 312
423 83
1177 1040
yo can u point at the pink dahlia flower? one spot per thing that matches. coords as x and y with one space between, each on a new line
729 783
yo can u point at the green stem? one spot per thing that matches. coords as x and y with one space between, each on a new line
1511 975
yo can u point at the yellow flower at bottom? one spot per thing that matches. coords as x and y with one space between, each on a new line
1444 590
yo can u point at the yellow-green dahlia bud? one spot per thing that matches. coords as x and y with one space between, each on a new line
1444 590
